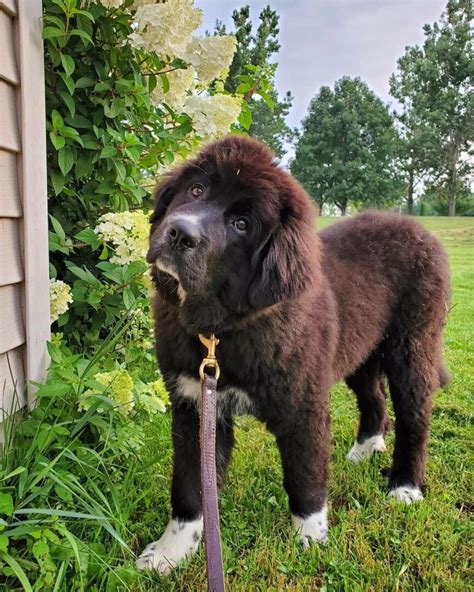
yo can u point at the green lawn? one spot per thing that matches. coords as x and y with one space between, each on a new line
374 544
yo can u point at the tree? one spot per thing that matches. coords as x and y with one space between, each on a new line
347 147
268 114
434 85
414 137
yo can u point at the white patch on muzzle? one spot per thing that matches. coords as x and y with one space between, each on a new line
167 269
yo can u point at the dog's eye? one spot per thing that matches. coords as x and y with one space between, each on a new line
197 190
241 224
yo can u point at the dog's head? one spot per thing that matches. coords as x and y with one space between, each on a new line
231 234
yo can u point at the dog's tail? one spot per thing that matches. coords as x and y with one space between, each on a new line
444 376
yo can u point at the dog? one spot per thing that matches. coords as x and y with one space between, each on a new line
234 251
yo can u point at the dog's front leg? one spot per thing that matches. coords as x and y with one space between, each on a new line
304 449
183 533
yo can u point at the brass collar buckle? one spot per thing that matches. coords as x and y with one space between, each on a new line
210 361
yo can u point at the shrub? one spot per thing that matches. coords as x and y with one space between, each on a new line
67 472
129 90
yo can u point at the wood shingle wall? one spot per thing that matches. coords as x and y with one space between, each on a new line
24 284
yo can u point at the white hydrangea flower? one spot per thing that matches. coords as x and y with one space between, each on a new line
165 28
180 82
213 115
127 232
111 3
138 3
59 299
211 56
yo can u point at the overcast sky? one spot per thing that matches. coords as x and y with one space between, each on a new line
322 40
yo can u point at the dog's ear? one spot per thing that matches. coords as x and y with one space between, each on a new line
163 195
287 261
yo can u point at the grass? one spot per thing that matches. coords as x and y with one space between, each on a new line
374 544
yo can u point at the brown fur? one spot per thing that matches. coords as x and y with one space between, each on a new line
295 311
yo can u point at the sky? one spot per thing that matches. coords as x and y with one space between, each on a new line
322 40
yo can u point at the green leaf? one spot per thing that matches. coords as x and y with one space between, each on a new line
84 166
69 101
54 352
83 35
267 98
89 237
3 543
57 141
84 82
104 253
70 132
17 570
165 82
245 117
6 504
243 88
57 120
58 229
14 473
51 32
69 82
108 151
121 171
65 160
68 64
57 179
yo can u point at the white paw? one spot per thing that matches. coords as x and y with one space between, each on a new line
313 528
406 493
180 540
360 451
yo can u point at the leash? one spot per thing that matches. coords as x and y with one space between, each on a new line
212 535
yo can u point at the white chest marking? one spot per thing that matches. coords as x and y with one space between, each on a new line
180 540
360 451
312 528
406 493
231 399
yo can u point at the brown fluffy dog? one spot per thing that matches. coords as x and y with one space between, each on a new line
235 252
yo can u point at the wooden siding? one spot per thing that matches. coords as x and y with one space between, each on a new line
11 268
12 332
34 190
24 283
9 132
12 381
8 67
10 203
9 7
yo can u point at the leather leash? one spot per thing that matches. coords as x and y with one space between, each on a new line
212 536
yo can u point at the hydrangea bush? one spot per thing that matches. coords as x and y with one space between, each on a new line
130 91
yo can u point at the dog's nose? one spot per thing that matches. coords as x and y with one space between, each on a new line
185 232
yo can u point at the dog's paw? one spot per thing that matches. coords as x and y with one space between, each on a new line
312 528
180 540
406 493
367 448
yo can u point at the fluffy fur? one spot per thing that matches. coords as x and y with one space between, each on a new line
364 300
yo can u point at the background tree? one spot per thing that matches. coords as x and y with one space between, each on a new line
434 84
268 114
347 147
414 138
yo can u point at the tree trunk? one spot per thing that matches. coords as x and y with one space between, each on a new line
452 200
452 182
343 207
411 180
